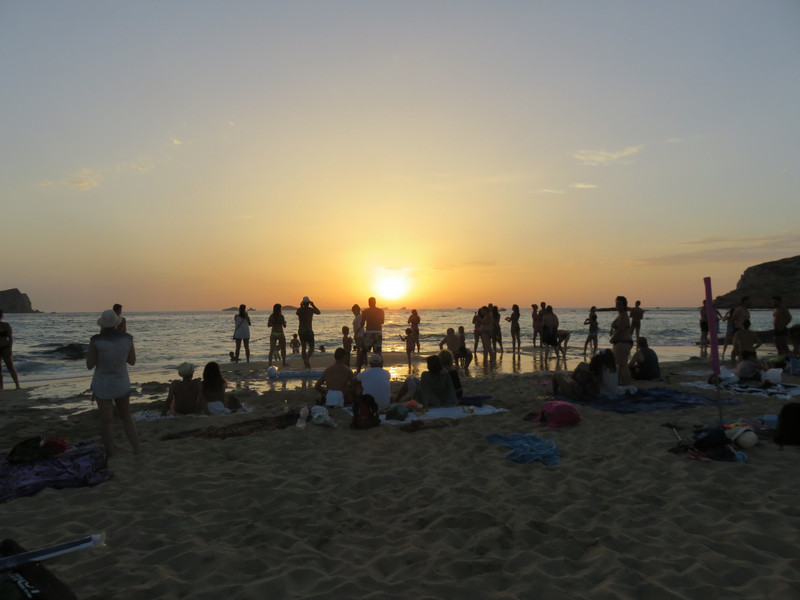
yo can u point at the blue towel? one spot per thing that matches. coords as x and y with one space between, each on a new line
645 400
527 448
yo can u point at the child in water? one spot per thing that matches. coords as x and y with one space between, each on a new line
295 344
347 342
411 343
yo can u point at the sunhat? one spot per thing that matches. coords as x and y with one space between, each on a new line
109 319
185 369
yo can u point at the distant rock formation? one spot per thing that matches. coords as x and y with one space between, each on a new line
14 301
762 282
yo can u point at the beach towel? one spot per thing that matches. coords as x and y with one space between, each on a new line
783 391
446 412
646 400
238 429
155 415
79 466
558 414
527 448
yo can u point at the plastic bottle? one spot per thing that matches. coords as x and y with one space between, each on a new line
301 421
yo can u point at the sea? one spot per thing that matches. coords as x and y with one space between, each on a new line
51 346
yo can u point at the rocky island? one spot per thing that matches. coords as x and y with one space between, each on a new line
14 301
762 282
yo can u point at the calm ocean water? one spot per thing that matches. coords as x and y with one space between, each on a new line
53 346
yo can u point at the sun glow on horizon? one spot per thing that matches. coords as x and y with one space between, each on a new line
392 284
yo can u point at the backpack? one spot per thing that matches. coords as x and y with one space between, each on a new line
789 425
365 413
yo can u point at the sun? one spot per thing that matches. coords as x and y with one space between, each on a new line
392 287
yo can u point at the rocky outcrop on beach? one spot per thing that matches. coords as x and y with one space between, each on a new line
14 301
762 282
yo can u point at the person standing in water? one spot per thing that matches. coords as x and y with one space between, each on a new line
241 332
516 343
6 343
305 329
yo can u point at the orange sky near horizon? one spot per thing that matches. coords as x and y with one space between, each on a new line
196 156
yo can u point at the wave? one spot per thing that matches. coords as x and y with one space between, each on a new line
73 351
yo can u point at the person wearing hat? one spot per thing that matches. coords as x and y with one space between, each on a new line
184 396
305 329
110 351
375 381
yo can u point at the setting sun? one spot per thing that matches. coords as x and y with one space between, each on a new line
392 288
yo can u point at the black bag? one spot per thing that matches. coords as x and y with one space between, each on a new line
365 413
789 425
29 450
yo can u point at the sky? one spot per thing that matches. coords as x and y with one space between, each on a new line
196 155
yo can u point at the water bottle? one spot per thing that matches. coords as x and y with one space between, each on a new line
301 421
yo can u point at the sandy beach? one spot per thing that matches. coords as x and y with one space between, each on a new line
434 513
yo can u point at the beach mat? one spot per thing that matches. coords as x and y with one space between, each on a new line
237 429
646 400
31 580
78 466
446 412
782 391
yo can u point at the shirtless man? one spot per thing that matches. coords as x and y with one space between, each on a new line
373 326
745 340
636 319
123 325
740 315
337 381
781 317
184 396
452 341
550 332
305 330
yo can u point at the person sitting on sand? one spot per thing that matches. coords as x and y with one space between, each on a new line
446 358
212 389
745 340
436 386
748 368
337 382
376 382
184 396
588 379
644 363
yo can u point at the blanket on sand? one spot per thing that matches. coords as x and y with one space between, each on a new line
238 429
645 400
447 412
527 448
81 465
782 391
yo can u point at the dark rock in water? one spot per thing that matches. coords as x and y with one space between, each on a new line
762 282
14 301
72 351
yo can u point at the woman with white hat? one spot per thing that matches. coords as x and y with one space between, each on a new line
110 351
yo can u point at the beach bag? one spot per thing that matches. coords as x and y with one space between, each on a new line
29 450
789 425
557 413
365 413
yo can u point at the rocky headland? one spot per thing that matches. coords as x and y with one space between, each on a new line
762 282
14 301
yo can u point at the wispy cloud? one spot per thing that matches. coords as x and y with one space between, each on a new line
176 142
604 158
549 191
717 249
85 179
583 186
